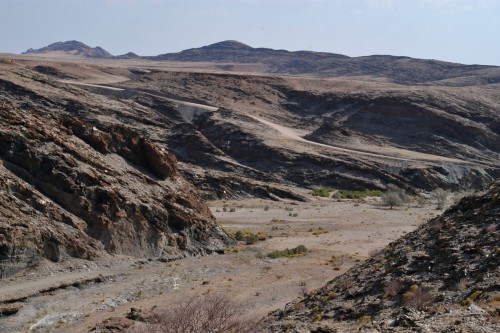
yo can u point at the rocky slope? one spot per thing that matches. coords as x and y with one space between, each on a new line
443 277
78 179
360 134
73 47
403 70
450 122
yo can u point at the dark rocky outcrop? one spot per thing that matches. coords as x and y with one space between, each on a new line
443 277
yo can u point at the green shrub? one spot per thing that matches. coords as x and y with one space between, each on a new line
347 194
249 237
364 320
287 252
318 317
472 298
240 235
322 192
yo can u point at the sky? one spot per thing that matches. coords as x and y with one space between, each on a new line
464 31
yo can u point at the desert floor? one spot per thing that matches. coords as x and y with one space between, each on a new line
337 234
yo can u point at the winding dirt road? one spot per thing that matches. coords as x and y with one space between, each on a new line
412 156
290 133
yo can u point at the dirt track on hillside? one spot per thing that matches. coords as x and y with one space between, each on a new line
411 155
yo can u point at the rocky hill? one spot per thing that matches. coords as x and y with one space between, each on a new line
460 125
443 277
79 180
73 47
239 135
403 70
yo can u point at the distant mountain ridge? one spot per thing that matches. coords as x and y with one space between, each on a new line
75 47
396 69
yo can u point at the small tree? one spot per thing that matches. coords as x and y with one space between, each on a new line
440 196
394 196
421 201
391 199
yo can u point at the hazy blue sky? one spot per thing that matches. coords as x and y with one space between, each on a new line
466 31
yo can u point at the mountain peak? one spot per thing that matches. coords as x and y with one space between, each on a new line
228 45
74 47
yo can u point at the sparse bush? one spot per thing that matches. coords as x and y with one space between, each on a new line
391 199
364 320
249 237
422 201
260 255
318 317
287 252
418 297
440 196
469 300
288 326
393 287
347 194
200 314
266 208
322 192
240 235
329 297
394 196
320 231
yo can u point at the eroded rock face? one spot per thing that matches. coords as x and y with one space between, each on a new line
33 227
443 277
73 186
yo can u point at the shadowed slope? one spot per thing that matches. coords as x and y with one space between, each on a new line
448 269
74 185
